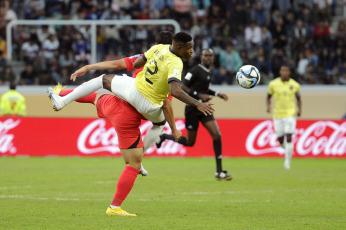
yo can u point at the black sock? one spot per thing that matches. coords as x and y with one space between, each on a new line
182 140
217 150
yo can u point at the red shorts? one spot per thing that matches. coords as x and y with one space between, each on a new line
124 118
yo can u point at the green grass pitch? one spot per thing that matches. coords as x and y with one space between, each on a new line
178 193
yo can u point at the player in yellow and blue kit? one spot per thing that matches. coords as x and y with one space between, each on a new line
160 76
12 103
285 92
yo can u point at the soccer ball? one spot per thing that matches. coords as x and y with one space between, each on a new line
248 76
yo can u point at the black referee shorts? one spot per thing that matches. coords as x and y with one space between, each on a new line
193 116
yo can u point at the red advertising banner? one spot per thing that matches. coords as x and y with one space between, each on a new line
96 137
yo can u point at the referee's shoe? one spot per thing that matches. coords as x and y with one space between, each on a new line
223 176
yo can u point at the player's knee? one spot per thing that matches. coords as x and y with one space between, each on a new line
216 136
135 165
289 138
135 162
160 124
107 81
190 143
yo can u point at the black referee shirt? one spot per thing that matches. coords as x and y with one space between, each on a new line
198 79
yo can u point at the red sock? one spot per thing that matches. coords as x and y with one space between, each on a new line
87 99
124 185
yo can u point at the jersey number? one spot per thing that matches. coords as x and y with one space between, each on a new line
152 63
13 105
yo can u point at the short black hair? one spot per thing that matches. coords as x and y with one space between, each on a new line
182 37
12 85
287 66
164 37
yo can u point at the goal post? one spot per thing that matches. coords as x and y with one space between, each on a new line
92 23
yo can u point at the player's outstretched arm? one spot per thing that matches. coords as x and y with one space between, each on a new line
115 64
140 62
168 112
178 93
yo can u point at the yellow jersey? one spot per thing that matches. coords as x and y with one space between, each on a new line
161 67
284 96
12 103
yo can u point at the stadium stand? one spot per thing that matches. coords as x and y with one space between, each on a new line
309 35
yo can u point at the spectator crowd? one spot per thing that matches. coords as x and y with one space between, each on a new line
263 33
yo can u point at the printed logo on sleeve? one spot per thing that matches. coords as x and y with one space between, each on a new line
176 73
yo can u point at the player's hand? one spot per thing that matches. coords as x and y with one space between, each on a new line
204 97
223 96
268 110
176 134
78 73
205 108
299 113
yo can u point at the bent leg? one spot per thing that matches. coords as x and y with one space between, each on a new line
133 157
83 90
87 99
191 137
186 141
107 81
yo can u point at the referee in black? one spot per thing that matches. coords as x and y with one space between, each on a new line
196 84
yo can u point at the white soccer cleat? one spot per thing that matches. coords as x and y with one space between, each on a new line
287 165
55 99
143 172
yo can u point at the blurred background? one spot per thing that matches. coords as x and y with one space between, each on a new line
309 35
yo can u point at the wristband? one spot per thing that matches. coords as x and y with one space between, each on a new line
212 92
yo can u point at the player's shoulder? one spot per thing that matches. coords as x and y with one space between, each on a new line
294 82
172 58
275 81
18 94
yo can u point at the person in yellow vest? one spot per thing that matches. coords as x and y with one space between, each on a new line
285 92
12 103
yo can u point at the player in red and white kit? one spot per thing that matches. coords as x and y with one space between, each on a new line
126 120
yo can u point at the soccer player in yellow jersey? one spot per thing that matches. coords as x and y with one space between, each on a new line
285 92
160 76
12 103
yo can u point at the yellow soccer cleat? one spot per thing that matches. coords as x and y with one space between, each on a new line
117 212
58 88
